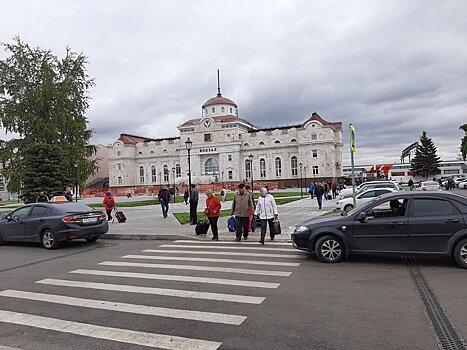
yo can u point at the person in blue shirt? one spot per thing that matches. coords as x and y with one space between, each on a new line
311 190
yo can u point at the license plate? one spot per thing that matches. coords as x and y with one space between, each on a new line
88 220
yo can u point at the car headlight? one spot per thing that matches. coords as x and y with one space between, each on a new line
301 228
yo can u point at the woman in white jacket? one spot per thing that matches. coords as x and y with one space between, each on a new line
266 210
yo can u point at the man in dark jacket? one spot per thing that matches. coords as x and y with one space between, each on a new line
194 198
319 191
42 197
241 206
68 194
164 198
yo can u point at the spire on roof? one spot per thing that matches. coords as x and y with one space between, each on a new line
218 85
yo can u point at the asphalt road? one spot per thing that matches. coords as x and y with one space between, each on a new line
368 302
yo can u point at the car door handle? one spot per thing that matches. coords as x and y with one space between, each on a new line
451 220
400 223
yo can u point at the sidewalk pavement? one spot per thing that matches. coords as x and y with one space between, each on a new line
148 223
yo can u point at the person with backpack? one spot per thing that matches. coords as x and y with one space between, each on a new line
164 198
319 192
311 189
109 202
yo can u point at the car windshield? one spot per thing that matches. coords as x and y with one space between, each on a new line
72 207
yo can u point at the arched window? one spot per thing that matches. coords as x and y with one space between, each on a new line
166 173
211 166
152 152
262 168
140 153
277 141
141 175
293 140
222 109
213 110
278 164
178 170
230 109
261 143
153 174
294 166
246 144
314 136
164 151
248 169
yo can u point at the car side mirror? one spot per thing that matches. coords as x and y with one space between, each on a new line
8 217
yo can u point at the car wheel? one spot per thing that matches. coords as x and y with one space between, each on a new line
49 240
348 207
330 249
460 253
91 239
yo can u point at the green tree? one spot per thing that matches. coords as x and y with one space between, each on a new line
425 162
463 147
43 100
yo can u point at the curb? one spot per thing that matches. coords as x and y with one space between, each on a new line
155 236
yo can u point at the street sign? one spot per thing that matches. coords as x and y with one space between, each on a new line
353 147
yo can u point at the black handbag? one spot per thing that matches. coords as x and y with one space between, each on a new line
277 226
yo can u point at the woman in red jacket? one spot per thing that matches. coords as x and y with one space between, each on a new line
109 202
213 207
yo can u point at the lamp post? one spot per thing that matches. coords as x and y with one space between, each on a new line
160 180
75 165
304 170
173 175
189 145
250 157
222 178
301 186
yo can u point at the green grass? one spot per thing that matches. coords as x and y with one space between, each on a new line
184 218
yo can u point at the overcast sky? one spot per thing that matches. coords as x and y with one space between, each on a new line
392 68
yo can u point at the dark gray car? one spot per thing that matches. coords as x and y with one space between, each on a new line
402 222
52 223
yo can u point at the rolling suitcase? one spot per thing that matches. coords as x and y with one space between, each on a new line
120 216
202 227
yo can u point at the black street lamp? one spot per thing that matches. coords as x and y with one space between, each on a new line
189 145
222 178
160 179
301 186
304 169
75 165
250 157
173 175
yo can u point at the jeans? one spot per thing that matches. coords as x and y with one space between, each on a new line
193 212
165 208
242 226
320 201
213 222
272 232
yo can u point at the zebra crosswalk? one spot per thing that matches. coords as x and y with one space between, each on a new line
178 276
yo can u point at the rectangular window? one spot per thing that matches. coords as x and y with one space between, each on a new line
119 153
451 172
230 175
119 166
314 136
207 138
315 170
314 152
229 157
262 168
278 164
119 180
294 166
248 169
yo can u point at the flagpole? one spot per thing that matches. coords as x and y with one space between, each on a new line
352 151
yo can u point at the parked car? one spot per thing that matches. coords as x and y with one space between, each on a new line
52 223
463 184
459 180
429 186
364 197
422 223
368 185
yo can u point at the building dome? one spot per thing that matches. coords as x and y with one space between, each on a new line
219 100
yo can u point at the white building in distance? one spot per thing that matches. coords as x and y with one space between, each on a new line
228 149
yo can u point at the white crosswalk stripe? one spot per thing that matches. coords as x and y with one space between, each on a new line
164 257
234 261
199 268
199 246
129 308
232 242
177 278
233 298
161 341
205 252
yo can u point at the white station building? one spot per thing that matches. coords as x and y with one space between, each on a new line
227 149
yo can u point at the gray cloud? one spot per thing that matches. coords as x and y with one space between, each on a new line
392 68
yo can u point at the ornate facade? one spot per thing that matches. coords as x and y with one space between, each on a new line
229 149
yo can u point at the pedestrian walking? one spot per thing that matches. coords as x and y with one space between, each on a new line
241 205
186 195
319 191
266 210
223 194
42 197
213 207
164 198
194 198
109 203
326 190
410 183
311 189
251 210
334 189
